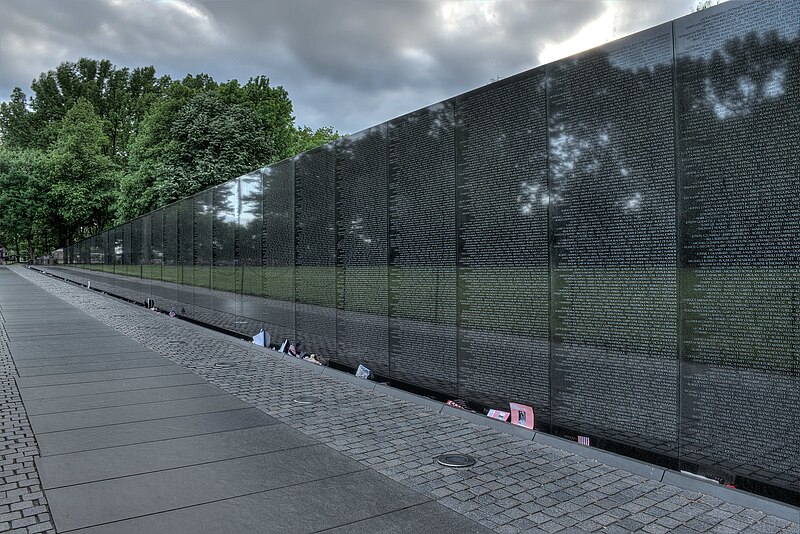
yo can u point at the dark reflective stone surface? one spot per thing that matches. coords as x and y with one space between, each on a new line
223 278
315 250
106 242
611 239
156 262
136 244
422 248
362 253
503 271
126 244
612 187
117 242
146 246
249 228
203 232
738 115
170 268
277 273
185 274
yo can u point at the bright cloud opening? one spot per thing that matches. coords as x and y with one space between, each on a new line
600 31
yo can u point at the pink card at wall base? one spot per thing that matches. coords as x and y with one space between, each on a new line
500 415
521 415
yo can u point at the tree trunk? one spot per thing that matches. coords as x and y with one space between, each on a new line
30 247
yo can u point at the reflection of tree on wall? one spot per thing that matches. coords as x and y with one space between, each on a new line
249 220
740 110
315 276
136 243
609 153
738 123
422 185
225 197
612 198
278 232
314 172
362 201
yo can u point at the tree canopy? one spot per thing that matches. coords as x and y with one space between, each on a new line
94 144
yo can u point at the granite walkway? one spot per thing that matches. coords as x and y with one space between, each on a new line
150 424
129 441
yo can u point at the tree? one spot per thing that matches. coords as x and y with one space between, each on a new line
215 142
15 121
305 138
22 182
81 176
152 157
272 110
119 96
124 141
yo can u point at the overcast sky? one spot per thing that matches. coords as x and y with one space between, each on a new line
346 63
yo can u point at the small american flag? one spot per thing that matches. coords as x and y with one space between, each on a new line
583 440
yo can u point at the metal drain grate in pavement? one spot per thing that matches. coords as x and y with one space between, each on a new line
453 459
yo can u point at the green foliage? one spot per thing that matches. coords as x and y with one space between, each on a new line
305 138
152 162
272 110
16 121
215 142
23 175
119 97
80 189
95 144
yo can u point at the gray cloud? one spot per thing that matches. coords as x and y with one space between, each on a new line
347 64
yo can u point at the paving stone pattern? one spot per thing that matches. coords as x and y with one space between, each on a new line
23 506
516 485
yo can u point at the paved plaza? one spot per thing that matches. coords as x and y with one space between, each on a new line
118 419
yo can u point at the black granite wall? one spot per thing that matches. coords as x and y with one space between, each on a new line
613 239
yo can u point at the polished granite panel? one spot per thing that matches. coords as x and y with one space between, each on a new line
277 249
738 110
362 323
613 255
422 248
503 243
315 250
